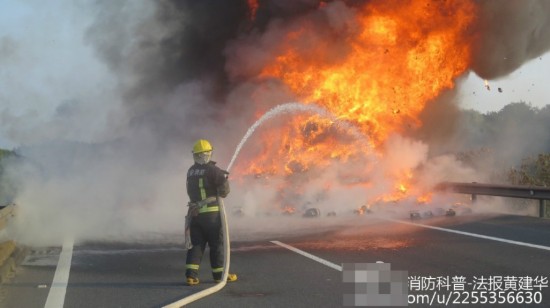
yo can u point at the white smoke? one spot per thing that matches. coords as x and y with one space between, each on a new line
88 168
52 81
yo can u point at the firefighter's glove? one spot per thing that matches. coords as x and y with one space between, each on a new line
193 210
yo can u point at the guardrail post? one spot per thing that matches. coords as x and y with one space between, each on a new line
474 199
544 209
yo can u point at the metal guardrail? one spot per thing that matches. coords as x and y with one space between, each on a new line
6 212
525 192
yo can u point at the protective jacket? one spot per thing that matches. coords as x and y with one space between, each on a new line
204 183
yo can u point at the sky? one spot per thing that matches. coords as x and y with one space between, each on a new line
47 68
529 83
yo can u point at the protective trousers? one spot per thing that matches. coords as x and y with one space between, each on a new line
206 228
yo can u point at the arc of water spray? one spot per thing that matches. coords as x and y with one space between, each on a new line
291 108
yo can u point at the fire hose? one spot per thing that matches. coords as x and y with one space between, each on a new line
215 288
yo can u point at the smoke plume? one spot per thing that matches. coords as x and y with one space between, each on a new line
510 33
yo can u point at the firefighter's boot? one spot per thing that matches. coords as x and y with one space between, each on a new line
191 281
230 278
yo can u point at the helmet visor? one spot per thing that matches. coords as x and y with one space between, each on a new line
202 158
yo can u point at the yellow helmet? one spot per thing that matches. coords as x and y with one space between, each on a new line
202 146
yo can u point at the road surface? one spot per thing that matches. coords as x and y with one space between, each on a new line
270 275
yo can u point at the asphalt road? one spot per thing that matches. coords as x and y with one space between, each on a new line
152 275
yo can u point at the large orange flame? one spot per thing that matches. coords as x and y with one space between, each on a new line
379 73
403 54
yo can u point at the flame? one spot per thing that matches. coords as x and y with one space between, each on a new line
402 56
308 142
288 210
379 74
487 86
362 210
253 8
424 199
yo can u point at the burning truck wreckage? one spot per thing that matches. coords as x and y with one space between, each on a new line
299 193
373 72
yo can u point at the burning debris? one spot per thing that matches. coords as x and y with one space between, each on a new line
364 209
414 215
457 208
414 51
288 210
488 87
312 212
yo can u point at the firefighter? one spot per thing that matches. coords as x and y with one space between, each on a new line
205 181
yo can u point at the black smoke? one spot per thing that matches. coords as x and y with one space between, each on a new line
191 42
172 64
510 32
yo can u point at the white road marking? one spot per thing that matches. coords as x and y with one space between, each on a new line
339 268
308 255
56 296
492 238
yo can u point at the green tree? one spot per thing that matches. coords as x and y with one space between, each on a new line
534 171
